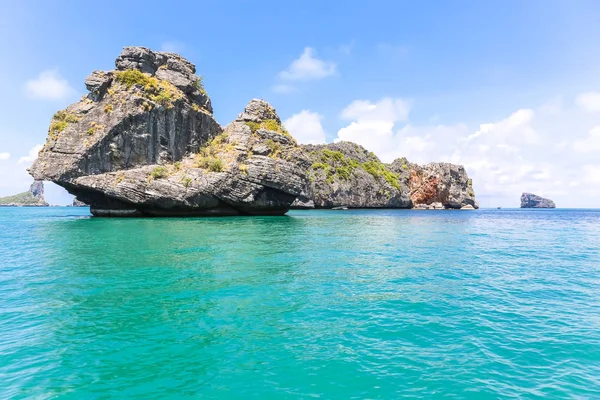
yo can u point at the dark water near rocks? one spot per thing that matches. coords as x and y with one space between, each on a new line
329 304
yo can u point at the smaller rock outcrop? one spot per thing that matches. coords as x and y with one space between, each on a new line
77 203
34 197
530 200
344 174
442 184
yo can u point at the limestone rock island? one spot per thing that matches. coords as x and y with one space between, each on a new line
34 197
144 142
530 200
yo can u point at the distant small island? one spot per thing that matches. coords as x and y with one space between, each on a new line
530 200
34 197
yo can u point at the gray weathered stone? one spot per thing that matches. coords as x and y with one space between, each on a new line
344 174
530 200
131 152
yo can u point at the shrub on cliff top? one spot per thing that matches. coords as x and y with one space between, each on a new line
199 85
159 91
208 162
159 172
132 77
270 125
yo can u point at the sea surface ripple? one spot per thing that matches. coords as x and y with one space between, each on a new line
318 304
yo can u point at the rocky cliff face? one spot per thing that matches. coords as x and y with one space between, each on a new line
530 200
144 143
33 197
345 174
441 185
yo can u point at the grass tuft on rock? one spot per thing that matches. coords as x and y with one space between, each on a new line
198 84
270 125
154 89
60 121
209 162
159 172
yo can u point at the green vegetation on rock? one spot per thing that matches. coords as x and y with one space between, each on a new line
157 90
378 170
25 198
268 124
275 148
199 85
211 163
60 121
159 172
336 165
186 180
210 155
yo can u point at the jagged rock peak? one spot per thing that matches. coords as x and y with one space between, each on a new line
146 60
258 110
168 67
37 189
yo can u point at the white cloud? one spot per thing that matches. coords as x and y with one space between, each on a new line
4 156
33 153
589 144
372 123
589 101
172 46
306 127
386 109
49 85
284 88
307 67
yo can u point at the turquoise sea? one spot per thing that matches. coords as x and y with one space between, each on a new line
350 304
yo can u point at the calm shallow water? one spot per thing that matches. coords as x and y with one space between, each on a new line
331 304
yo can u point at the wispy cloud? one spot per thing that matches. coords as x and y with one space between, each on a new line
284 88
589 101
32 155
306 127
172 46
308 67
4 156
305 68
49 85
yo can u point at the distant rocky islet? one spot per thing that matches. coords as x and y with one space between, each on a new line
144 142
530 200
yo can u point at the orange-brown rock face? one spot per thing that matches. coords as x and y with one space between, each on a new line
441 185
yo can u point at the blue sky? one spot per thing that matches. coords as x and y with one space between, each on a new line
510 89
